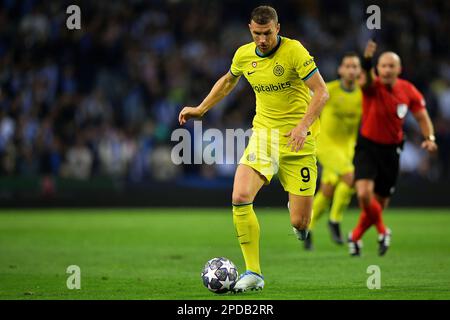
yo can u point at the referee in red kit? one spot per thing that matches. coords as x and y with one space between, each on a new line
386 100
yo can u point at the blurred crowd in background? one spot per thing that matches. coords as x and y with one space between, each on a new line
104 100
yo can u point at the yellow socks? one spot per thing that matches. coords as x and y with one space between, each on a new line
321 203
341 199
247 229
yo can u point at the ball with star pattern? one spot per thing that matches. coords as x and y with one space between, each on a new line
219 275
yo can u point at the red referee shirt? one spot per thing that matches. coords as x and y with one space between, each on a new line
385 108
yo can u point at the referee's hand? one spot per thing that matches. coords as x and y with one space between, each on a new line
297 137
370 49
430 146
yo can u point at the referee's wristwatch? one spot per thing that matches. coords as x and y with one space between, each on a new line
431 137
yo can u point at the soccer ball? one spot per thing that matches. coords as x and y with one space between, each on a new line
219 275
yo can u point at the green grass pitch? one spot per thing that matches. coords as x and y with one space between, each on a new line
159 253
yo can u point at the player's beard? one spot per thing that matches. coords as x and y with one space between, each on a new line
263 48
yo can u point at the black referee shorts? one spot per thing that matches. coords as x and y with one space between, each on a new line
377 162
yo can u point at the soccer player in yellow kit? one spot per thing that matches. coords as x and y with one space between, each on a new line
335 147
281 73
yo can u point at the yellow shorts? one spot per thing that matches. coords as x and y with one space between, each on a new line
268 154
336 161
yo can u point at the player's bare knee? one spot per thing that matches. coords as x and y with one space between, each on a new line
327 191
348 178
240 197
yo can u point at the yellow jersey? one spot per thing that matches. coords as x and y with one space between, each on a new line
278 80
340 117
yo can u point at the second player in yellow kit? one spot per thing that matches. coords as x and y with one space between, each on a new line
282 74
340 120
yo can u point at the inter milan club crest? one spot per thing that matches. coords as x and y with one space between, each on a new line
254 64
278 70
402 109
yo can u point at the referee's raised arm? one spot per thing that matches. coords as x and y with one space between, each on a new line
369 52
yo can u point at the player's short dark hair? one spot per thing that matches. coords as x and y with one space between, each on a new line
264 14
350 54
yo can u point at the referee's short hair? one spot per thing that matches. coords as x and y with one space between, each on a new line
264 14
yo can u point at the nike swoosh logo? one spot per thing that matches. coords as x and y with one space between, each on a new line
249 73
301 189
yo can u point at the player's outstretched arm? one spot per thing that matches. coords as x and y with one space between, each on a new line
298 135
426 126
221 88
369 52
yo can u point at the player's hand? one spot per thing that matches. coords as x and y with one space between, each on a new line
189 113
371 47
430 146
297 137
